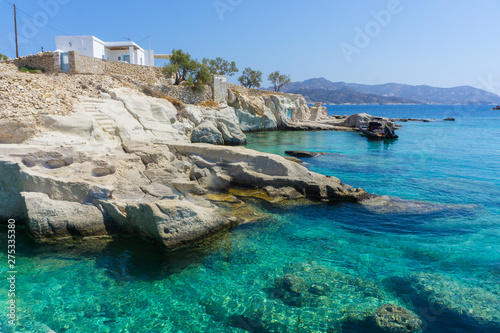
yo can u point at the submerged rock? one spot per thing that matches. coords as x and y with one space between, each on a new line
458 297
397 319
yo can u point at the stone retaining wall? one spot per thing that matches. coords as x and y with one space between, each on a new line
89 65
186 94
219 86
49 62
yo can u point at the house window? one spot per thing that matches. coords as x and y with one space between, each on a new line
119 58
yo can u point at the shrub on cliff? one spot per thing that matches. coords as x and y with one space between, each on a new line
182 67
250 78
185 69
219 66
3 57
278 80
202 77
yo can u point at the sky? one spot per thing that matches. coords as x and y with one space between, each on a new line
441 43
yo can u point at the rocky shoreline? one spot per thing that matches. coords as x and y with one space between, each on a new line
116 161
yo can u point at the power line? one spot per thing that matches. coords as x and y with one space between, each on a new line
142 39
46 25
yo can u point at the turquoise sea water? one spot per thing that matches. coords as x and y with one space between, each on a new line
438 254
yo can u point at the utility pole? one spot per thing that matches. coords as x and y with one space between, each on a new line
15 26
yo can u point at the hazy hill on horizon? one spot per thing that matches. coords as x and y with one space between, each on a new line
325 91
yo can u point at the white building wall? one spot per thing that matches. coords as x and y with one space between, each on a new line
81 44
91 46
98 49
149 57
139 57
116 55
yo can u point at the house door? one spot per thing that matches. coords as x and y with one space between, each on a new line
126 58
64 62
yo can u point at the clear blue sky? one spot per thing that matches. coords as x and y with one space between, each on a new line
441 43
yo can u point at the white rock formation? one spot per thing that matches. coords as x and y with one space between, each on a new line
207 132
215 126
124 163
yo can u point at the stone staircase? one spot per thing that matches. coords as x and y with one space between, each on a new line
94 107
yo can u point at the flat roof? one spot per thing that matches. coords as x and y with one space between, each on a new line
162 56
119 45
111 45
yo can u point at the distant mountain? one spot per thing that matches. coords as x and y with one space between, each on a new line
325 91
347 96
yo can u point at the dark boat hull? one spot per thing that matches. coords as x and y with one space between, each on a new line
376 135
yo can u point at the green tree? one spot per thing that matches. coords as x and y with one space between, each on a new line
219 66
181 66
3 57
186 69
202 77
278 80
250 78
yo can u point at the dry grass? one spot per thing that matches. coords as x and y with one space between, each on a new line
209 104
159 94
176 102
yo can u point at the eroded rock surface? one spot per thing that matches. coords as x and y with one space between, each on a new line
124 163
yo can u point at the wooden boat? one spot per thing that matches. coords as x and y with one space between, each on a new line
376 130
496 107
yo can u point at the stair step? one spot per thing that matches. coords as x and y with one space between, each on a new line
97 101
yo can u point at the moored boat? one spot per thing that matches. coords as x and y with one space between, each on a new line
376 130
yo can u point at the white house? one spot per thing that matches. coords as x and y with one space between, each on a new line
91 46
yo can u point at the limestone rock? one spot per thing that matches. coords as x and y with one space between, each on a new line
249 168
362 119
294 159
231 132
175 223
225 120
16 131
195 114
302 111
207 132
357 120
81 155
318 112
153 114
47 218
80 124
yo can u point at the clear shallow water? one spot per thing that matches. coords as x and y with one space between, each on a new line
440 259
